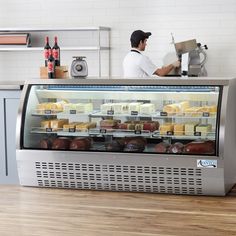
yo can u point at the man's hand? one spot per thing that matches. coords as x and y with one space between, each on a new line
176 64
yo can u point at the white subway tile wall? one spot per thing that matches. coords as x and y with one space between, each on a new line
211 22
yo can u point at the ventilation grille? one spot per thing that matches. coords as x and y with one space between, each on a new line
119 177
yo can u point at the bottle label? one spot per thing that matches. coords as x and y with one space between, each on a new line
55 54
46 53
50 67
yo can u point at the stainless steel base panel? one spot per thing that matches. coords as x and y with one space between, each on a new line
120 172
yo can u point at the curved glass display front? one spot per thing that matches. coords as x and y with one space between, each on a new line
122 118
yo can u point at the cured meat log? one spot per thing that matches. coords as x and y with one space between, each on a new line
136 144
162 147
80 144
61 143
176 148
200 147
115 145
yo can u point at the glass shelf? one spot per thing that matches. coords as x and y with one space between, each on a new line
120 133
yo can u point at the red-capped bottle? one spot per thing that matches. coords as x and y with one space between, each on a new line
51 65
47 48
56 52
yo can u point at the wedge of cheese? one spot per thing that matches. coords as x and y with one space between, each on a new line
176 108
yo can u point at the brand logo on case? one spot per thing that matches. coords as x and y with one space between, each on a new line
207 163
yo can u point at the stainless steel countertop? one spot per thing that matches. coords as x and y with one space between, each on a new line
11 85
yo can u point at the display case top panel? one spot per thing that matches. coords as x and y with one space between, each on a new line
148 119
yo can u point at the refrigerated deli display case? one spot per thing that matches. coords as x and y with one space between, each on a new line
165 135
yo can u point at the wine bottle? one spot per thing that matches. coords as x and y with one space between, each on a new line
46 50
51 65
56 52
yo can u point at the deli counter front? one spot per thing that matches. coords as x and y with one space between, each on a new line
167 135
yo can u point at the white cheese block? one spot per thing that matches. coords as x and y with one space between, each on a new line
134 106
147 109
190 128
84 107
106 107
120 108
204 129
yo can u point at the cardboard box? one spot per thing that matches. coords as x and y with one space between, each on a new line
61 72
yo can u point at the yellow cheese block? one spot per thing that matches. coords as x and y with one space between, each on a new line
175 108
58 123
71 125
166 128
46 124
204 129
179 129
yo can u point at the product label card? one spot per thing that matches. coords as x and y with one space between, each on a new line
71 129
207 163
197 133
72 111
138 132
205 114
134 113
110 112
103 131
169 133
163 113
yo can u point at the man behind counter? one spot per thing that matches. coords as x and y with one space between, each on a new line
135 64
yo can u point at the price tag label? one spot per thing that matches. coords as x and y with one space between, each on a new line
197 133
72 111
48 112
163 113
48 129
138 132
110 112
170 133
103 131
205 114
71 129
134 113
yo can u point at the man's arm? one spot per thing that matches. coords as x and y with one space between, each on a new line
166 69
